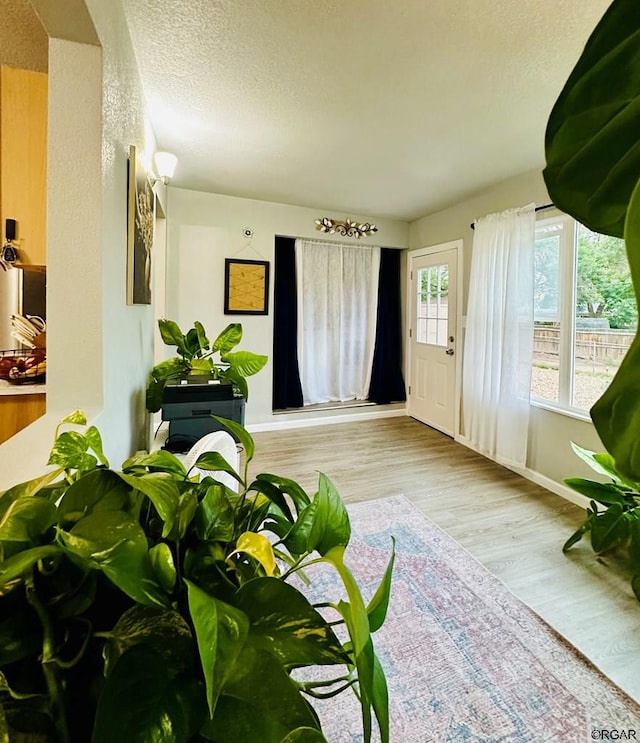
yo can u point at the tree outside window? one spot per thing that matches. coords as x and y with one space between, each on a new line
585 313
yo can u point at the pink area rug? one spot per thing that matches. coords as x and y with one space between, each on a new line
466 661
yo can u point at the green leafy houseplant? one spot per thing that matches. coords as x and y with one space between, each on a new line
147 606
613 518
195 354
593 173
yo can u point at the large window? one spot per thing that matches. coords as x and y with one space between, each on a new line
584 313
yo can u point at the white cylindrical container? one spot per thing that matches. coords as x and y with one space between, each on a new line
9 305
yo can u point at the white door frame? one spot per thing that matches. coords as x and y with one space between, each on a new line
458 246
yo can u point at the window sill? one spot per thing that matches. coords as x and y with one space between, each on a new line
581 415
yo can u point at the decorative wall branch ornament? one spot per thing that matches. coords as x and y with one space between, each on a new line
347 228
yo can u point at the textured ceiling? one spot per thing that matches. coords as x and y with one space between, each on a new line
370 107
23 41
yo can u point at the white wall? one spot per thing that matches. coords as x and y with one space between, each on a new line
127 331
550 433
99 350
204 229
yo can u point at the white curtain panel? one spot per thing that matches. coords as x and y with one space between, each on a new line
499 337
337 287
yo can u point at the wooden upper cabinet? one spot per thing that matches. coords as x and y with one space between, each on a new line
23 160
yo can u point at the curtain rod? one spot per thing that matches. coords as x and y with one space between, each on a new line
537 209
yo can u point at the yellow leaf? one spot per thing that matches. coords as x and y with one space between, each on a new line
258 547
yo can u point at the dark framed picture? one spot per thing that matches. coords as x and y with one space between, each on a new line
140 224
246 287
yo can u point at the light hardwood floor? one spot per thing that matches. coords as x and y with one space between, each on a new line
514 527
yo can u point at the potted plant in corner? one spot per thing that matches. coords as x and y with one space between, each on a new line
204 379
144 605
195 356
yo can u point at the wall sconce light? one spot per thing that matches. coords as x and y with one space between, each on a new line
348 228
165 164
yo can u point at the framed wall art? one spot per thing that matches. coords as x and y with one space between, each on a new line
246 287
140 224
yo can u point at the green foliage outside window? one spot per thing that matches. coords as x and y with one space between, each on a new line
604 287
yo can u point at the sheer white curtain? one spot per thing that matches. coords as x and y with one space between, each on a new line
499 337
337 288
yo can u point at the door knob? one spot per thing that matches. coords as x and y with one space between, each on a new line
449 351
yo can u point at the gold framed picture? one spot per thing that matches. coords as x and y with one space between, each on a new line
246 287
140 225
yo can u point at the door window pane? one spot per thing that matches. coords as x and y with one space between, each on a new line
433 305
605 312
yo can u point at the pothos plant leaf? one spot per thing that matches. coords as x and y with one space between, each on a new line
357 618
161 459
31 487
213 461
373 688
377 607
113 542
290 487
331 527
164 630
259 548
163 565
70 452
162 490
592 143
214 516
27 519
260 702
94 440
284 623
98 490
275 495
77 417
168 708
241 434
221 631
20 564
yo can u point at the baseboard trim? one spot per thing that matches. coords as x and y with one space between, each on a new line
296 421
539 479
556 487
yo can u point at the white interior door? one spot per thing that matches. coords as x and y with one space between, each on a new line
433 328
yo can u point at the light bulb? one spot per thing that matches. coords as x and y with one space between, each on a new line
165 163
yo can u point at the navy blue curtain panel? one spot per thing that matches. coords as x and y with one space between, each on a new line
287 391
387 383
